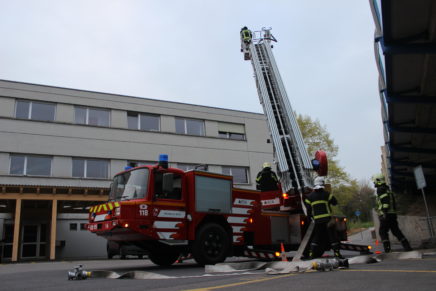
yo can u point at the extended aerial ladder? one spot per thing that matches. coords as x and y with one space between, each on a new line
294 166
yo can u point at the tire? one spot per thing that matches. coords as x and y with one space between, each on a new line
110 252
163 256
122 254
211 245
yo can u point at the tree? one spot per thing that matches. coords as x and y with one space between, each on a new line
351 194
316 137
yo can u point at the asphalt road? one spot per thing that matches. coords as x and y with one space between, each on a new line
389 274
410 274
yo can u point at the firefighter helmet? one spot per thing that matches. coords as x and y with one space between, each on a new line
319 183
266 165
378 180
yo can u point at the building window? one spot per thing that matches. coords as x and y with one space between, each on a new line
141 121
35 110
73 226
91 116
239 174
90 168
134 164
83 226
187 167
30 165
231 131
190 126
231 135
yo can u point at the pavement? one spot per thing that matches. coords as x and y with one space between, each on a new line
401 271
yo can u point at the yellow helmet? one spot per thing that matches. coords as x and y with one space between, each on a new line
378 180
266 165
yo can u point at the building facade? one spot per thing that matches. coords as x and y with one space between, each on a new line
60 147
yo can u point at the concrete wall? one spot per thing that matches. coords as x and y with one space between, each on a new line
8 107
415 229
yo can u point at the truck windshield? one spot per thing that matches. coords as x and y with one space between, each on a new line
129 185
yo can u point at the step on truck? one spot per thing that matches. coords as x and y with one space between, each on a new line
171 213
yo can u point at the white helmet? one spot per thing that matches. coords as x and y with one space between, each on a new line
319 182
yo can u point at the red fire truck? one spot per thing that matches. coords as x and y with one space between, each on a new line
170 213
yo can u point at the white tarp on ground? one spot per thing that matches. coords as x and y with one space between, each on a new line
273 268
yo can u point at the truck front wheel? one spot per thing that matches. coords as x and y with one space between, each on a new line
163 256
211 245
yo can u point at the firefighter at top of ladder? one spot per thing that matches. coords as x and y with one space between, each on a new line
246 36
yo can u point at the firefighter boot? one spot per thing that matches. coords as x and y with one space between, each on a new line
406 245
310 256
387 246
337 254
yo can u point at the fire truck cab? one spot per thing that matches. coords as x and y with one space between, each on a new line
172 213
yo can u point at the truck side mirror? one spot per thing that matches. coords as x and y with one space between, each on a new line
168 183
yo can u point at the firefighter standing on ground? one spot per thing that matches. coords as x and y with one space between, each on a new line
266 179
386 210
319 203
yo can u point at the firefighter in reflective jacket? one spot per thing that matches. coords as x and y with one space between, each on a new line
319 204
246 35
266 179
386 210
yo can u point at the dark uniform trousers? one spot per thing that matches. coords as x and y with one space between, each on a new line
318 206
386 208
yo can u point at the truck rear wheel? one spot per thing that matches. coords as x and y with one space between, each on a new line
211 245
163 256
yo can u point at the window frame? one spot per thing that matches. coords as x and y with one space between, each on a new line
185 167
85 168
246 169
139 117
228 135
185 126
87 115
25 164
30 109
73 226
135 164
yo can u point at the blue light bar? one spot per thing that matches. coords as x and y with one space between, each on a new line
163 158
163 161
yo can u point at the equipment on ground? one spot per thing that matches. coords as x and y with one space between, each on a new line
78 273
324 265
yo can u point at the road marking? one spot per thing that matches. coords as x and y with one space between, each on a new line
391 271
240 283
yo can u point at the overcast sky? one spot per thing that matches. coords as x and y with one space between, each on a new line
188 51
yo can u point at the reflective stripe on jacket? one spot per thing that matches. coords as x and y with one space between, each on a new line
246 35
318 203
385 200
